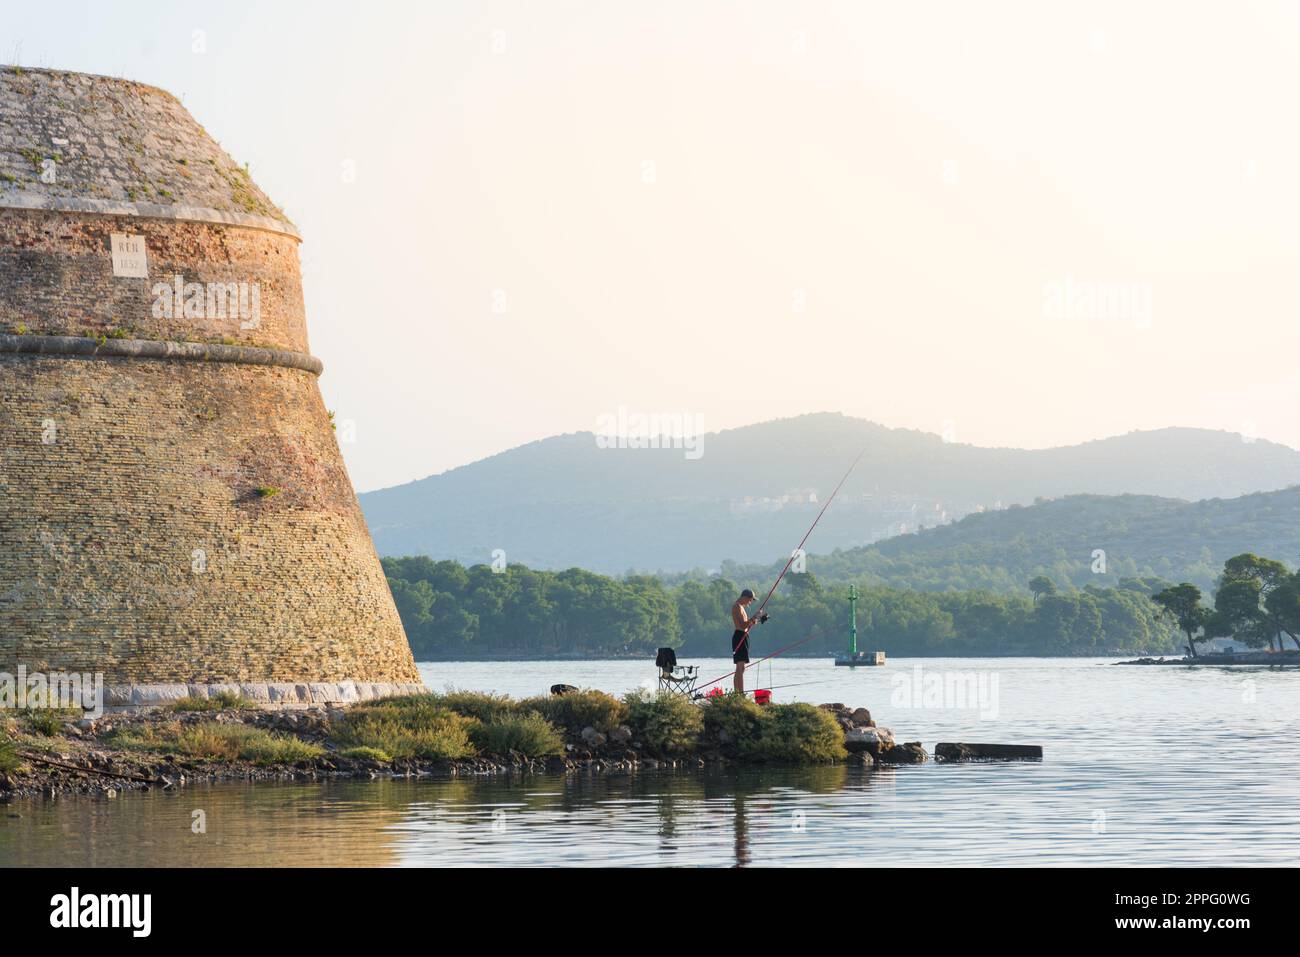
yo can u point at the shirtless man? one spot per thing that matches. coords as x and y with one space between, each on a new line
740 637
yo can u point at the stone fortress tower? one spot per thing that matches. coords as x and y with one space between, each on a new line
174 510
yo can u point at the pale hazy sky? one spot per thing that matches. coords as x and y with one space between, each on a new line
743 210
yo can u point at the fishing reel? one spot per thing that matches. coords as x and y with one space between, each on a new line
763 617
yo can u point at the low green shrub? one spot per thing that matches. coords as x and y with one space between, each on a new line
482 705
262 747
366 754
529 734
46 721
415 726
9 758
732 719
797 733
580 709
667 723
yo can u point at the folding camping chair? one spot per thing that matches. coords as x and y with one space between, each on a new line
679 679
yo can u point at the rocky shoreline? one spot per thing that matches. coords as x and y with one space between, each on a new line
1272 659
84 756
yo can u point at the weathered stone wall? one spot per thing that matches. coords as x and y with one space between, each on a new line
56 278
174 509
135 540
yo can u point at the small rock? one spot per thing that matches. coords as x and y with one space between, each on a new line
592 738
861 741
910 753
874 740
621 735
861 716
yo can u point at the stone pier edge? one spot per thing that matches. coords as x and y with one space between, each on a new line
270 695
157 349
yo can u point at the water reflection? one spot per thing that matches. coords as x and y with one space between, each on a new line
1008 814
741 829
224 826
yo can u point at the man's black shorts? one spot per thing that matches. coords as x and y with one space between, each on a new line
739 646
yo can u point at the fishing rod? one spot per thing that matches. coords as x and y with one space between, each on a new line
797 684
781 650
798 548
790 561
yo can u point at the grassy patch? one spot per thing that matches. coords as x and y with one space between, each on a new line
221 701
580 709
667 723
226 742
528 734
48 721
479 705
366 754
798 733
411 727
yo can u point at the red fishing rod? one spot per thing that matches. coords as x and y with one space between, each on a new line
790 561
784 648
798 548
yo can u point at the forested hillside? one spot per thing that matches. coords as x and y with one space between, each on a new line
1080 540
747 494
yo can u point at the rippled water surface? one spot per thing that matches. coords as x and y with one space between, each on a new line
1146 766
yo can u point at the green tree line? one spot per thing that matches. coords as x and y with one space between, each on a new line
452 611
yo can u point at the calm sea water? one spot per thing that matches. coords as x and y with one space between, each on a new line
1142 766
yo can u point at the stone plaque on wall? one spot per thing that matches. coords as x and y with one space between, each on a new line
129 257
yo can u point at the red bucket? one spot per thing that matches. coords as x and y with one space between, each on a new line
763 696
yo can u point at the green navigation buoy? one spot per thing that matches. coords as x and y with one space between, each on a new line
855 657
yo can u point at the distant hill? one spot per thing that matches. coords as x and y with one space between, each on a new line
1142 536
564 501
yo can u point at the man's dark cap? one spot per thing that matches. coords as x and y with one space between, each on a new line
746 594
